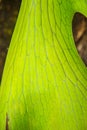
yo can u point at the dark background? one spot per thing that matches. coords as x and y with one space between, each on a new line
8 15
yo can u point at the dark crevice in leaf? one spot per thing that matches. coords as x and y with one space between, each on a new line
79 28
7 122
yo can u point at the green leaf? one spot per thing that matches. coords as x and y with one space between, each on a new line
44 85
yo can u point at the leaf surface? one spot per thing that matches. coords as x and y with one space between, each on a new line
44 85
